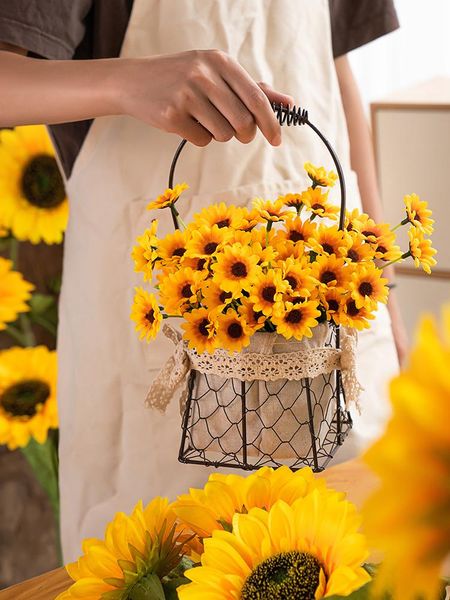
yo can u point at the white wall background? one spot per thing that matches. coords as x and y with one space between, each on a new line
418 51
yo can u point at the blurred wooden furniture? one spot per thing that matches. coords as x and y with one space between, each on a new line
411 131
351 477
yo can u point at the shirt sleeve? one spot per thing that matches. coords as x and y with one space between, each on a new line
358 22
49 28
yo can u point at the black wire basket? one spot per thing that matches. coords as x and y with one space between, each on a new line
229 422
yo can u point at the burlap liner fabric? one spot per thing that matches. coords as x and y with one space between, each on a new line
269 357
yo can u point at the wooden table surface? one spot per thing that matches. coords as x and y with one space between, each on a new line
351 477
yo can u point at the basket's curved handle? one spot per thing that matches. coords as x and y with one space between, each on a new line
287 116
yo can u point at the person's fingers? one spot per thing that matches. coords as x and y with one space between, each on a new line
275 96
236 113
212 119
252 97
193 131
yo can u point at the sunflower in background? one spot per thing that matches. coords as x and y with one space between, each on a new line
14 293
27 395
408 517
34 206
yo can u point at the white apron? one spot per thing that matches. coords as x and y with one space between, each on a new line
113 451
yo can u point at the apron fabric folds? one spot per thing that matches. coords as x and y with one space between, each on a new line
113 451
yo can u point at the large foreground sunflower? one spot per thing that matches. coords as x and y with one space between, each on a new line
309 550
27 395
14 293
137 552
408 517
33 198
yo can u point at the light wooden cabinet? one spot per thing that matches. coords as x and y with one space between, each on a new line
411 132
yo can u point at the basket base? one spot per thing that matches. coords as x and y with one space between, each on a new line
248 425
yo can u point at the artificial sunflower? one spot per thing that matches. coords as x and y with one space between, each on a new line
408 516
173 247
330 240
368 286
28 406
312 549
355 220
297 274
14 293
236 268
255 319
214 506
352 316
331 271
200 330
334 301
267 291
293 201
34 205
272 212
222 216
138 551
144 254
207 241
317 202
179 291
215 298
296 230
418 214
421 250
359 251
319 176
233 332
250 218
146 314
169 197
296 320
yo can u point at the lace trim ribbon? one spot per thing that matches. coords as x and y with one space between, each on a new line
267 358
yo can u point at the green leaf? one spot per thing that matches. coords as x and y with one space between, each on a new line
43 459
147 588
40 303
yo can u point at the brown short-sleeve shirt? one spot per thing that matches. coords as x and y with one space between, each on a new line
83 29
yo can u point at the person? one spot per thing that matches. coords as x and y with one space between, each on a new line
187 69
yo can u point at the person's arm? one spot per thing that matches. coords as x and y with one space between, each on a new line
363 163
198 95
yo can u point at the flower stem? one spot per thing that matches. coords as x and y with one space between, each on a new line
392 262
14 251
404 222
16 335
27 330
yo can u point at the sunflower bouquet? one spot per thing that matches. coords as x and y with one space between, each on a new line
281 266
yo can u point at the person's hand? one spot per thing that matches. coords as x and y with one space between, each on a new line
398 328
199 95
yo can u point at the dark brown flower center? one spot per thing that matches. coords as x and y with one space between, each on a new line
328 248
317 206
224 223
382 249
235 330
22 399
333 305
352 310
268 293
368 233
186 290
353 255
210 247
203 328
239 269
327 277
150 316
224 296
295 236
178 251
365 288
294 316
200 264
292 282
42 184
285 576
